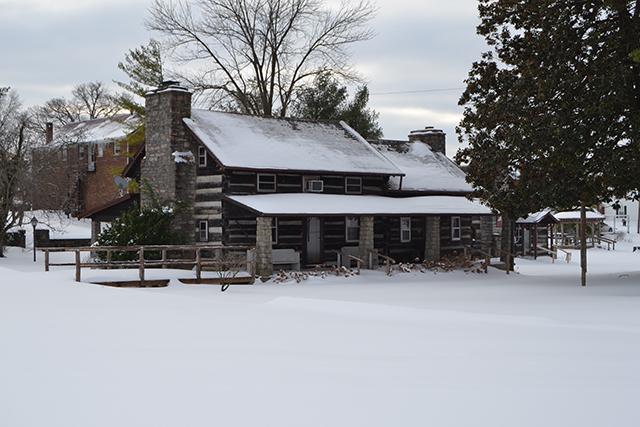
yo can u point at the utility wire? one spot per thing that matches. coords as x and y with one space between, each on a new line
407 92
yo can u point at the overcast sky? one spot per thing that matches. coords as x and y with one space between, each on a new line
48 46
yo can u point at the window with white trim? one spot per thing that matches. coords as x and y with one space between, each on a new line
266 183
100 150
456 228
202 157
116 148
352 229
81 152
405 229
274 231
203 231
353 185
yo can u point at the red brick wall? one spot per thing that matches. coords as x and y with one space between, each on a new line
99 187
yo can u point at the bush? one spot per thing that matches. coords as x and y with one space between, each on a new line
137 226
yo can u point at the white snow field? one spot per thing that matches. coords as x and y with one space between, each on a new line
414 349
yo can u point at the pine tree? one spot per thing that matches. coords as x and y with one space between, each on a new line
326 99
144 67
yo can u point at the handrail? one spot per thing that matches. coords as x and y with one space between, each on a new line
388 261
359 261
487 256
609 242
554 254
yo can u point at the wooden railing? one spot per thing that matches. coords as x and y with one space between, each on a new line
388 261
359 261
611 244
141 263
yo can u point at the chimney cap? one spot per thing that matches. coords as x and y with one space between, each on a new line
428 130
169 86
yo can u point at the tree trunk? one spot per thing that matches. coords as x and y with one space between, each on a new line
506 238
583 244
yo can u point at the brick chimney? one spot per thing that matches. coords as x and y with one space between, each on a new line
434 138
48 133
165 134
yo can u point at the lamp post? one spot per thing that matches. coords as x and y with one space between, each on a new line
34 224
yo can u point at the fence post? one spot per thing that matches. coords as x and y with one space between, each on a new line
198 265
78 275
164 258
46 260
141 271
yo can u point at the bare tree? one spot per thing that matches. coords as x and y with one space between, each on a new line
14 140
254 54
88 101
94 100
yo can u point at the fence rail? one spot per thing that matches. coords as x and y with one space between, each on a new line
142 263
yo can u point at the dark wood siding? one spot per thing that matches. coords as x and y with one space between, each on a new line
241 182
469 229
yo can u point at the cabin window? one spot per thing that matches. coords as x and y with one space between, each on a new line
266 183
65 154
274 231
203 231
81 152
405 229
202 157
116 148
456 229
92 153
353 185
100 150
352 229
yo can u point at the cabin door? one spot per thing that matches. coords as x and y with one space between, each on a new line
313 241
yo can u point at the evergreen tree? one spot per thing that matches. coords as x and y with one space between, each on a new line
364 120
144 67
326 99
552 113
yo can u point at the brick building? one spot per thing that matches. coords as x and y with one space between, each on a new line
77 168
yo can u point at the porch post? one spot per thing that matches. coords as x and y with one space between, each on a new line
264 265
432 239
95 230
365 245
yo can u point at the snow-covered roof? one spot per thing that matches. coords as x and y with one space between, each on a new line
575 216
249 142
536 217
97 130
332 204
424 169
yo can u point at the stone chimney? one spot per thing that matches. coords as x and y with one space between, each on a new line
165 134
48 133
434 138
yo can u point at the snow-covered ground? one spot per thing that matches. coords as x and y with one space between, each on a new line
415 349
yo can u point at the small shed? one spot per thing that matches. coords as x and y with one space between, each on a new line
534 233
567 233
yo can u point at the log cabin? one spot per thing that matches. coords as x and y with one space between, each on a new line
316 188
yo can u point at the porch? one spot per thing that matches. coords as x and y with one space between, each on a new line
342 229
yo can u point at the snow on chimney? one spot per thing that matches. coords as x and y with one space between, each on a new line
48 134
434 138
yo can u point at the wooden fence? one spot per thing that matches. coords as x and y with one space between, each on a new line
220 260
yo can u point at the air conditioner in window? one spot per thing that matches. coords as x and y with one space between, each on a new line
91 166
315 186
